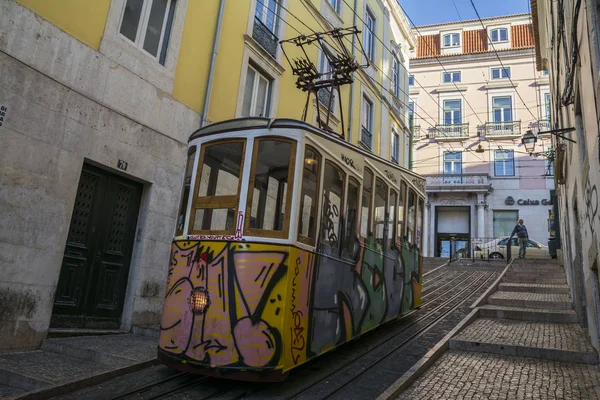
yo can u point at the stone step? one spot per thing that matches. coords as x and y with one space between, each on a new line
533 287
533 261
534 279
549 341
531 300
529 314
556 273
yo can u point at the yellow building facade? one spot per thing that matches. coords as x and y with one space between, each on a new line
101 97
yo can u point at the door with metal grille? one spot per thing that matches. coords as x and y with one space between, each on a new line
93 278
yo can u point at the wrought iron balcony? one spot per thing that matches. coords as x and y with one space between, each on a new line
454 131
264 37
500 129
472 182
543 125
366 137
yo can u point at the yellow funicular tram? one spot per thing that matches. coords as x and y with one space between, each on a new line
289 242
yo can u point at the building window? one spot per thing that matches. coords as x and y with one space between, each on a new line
370 35
147 23
545 72
504 163
367 124
256 95
217 188
451 40
308 199
502 109
499 35
395 147
395 76
269 197
267 12
336 5
453 162
411 80
504 222
501 73
450 77
547 105
452 112
411 113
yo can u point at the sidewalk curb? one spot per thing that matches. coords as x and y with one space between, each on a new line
482 300
76 384
427 360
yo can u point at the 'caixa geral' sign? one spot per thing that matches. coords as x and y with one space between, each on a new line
527 202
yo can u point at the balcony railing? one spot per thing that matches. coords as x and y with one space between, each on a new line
508 128
366 137
265 37
543 125
454 131
416 132
458 182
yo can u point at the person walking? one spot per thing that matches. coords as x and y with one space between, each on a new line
522 236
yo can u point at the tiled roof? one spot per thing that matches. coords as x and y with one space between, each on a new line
522 36
475 41
428 46
536 35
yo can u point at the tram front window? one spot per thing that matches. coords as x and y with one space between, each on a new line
268 203
332 205
218 184
381 191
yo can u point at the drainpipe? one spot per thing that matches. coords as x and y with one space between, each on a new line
213 61
352 84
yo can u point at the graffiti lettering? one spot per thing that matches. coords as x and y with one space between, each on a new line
329 212
348 161
214 237
591 204
391 176
298 342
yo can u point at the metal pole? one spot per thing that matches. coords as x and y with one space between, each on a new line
213 61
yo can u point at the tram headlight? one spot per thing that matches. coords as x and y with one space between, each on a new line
199 300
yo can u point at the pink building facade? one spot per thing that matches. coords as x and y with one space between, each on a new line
474 92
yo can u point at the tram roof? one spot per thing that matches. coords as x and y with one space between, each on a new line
247 123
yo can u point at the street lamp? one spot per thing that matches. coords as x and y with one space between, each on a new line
528 141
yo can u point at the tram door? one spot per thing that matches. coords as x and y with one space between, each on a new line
95 267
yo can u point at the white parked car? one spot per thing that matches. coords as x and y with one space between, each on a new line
496 249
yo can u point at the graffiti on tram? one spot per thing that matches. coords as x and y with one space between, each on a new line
253 286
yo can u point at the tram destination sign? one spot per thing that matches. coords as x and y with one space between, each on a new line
510 201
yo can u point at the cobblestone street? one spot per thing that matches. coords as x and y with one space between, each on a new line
462 375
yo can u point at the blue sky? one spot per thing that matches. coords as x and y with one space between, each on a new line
425 12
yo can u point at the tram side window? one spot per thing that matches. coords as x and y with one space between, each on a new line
401 203
365 215
185 193
419 222
268 209
333 199
308 199
392 219
380 221
217 187
351 218
410 218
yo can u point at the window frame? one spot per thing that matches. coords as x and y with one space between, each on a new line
494 108
395 156
395 72
500 73
184 202
215 202
248 231
369 228
336 5
444 111
367 123
351 180
265 13
451 75
369 38
411 80
499 39
401 216
504 161
142 28
406 210
310 240
258 74
343 202
450 42
386 204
